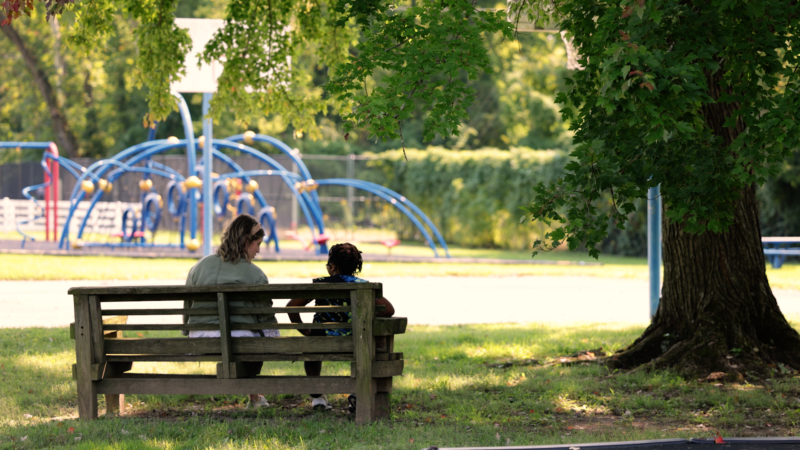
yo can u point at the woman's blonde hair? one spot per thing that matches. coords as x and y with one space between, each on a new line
237 237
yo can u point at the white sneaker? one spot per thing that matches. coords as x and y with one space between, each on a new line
261 403
320 403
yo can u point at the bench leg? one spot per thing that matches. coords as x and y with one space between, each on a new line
87 399
383 407
115 404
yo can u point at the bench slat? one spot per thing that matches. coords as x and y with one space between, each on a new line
213 289
235 358
155 384
234 311
170 346
238 326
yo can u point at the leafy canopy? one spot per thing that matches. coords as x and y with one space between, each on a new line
431 50
700 97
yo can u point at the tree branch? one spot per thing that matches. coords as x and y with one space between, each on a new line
67 143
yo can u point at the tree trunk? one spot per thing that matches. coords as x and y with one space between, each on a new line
717 311
67 143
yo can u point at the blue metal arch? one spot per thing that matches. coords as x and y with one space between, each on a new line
388 198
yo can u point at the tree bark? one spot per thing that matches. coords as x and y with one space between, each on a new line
717 311
65 138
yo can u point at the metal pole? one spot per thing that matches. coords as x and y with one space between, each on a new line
654 246
208 202
351 174
293 226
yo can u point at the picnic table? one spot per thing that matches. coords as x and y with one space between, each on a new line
776 249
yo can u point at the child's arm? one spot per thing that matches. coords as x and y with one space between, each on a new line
388 312
295 317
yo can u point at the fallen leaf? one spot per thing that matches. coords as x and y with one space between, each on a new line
30 391
71 430
427 419
322 431
596 392
569 428
60 424
443 416
125 432
411 440
27 416
532 411
768 424
78 438
714 375
23 438
496 425
409 406
718 439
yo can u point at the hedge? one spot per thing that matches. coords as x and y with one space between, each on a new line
472 196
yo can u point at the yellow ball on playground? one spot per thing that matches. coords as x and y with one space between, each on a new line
146 185
201 141
248 137
300 186
251 186
173 140
160 201
87 186
183 186
105 185
193 245
311 185
193 182
77 243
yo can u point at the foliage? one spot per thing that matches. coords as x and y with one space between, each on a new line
654 71
425 50
473 197
779 200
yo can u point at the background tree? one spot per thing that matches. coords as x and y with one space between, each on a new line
701 98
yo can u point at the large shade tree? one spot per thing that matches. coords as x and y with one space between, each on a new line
702 98
697 96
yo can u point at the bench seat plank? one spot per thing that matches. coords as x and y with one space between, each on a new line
171 346
235 358
238 326
156 384
234 311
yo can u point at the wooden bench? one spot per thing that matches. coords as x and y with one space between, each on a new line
105 358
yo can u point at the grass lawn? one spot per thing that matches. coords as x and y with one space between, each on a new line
453 393
36 267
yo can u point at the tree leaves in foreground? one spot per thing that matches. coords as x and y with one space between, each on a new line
428 51
638 109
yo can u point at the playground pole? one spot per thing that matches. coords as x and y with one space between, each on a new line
208 202
654 246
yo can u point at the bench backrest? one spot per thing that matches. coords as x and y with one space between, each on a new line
95 303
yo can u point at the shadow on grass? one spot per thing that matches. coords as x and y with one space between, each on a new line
452 394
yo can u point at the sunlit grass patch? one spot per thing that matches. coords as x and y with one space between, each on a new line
455 391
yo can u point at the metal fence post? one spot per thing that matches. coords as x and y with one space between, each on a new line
293 226
351 173
654 246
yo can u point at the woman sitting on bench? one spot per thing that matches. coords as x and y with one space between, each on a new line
232 264
344 261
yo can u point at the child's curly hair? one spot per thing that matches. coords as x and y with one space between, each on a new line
346 258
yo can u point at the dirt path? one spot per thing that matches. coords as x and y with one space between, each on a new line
432 300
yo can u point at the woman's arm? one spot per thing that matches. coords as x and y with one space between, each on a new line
388 312
295 317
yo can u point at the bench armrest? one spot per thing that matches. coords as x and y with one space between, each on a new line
388 326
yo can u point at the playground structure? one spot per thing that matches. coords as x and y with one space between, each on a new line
185 195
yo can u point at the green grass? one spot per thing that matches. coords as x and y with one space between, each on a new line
38 267
452 394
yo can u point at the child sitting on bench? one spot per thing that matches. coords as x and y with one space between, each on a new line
344 262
